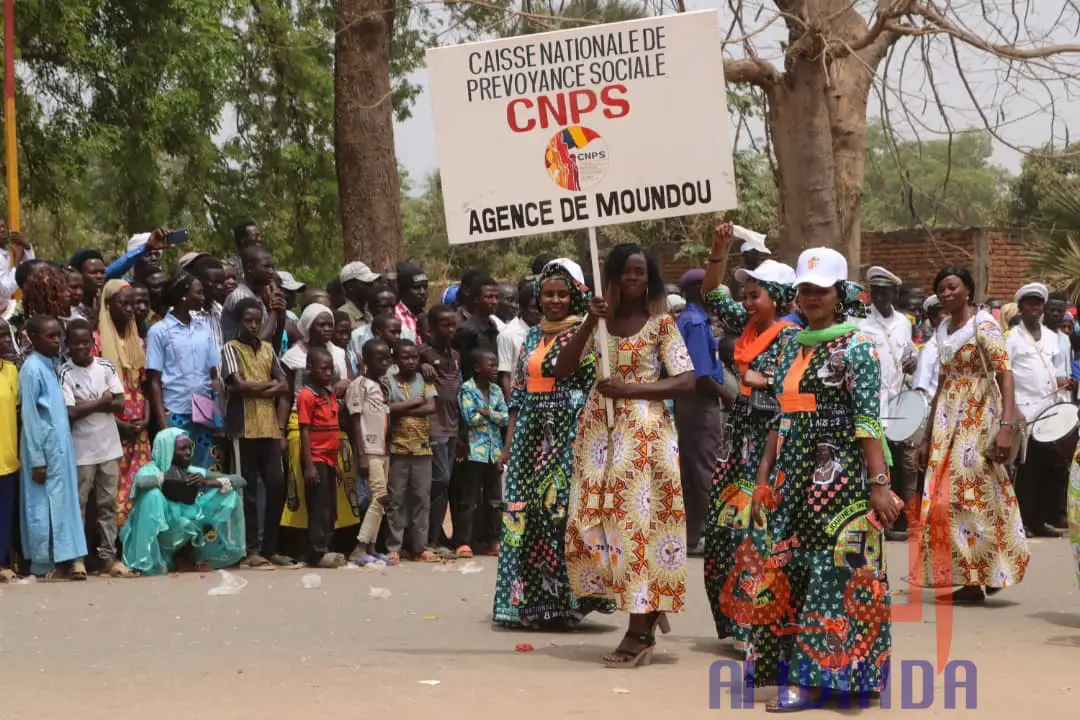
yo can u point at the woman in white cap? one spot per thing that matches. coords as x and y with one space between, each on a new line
816 594
972 534
767 291
626 532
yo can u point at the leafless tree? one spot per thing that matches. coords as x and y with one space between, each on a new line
835 55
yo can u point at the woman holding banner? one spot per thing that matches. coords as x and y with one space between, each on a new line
819 598
532 588
626 533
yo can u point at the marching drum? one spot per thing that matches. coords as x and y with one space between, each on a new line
907 417
1057 425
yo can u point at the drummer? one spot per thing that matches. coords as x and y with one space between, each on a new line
1039 370
890 331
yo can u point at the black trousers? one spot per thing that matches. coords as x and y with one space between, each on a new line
260 461
699 426
1041 485
477 488
321 500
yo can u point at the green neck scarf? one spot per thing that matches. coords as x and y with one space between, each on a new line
813 338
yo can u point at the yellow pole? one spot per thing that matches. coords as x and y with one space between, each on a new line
10 146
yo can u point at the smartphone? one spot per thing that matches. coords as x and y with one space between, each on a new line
873 518
177 236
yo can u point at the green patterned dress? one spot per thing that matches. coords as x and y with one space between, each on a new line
819 602
736 474
532 586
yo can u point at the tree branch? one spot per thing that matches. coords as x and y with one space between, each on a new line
750 71
943 25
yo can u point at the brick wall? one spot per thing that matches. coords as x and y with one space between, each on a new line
999 259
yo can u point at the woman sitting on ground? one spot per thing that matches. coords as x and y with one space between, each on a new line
185 517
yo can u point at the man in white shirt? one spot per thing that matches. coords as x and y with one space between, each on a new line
928 369
890 331
12 244
93 393
1040 372
512 337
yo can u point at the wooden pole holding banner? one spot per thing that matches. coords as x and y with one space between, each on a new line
10 147
601 327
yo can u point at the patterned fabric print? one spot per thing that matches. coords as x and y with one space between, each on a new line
532 585
968 504
348 504
203 439
626 537
818 600
735 476
136 452
1074 512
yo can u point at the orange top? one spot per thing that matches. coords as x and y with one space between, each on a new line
535 382
791 400
752 343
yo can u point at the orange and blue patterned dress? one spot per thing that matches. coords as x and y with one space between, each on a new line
626 538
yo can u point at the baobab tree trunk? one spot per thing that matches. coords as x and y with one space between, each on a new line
368 185
816 118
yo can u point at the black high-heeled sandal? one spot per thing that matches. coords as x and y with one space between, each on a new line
626 659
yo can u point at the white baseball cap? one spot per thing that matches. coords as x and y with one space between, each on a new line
822 267
768 271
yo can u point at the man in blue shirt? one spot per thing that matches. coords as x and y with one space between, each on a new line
697 416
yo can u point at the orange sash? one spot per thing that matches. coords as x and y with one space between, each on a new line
752 343
535 382
791 400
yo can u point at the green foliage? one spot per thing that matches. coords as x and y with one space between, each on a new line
949 182
1039 197
120 109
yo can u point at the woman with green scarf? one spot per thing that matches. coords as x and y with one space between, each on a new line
819 596
184 517
766 293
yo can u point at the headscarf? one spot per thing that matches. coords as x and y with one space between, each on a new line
161 459
569 272
780 293
307 318
852 302
123 349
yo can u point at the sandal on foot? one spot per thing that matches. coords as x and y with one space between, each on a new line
427 556
627 659
280 560
791 699
78 571
464 552
57 575
120 570
364 560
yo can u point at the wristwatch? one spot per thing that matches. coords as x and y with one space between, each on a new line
880 479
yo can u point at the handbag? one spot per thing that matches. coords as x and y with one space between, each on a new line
1018 449
764 401
208 411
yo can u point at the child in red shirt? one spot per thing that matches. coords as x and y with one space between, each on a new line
320 440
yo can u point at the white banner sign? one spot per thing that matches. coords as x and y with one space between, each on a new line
602 125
